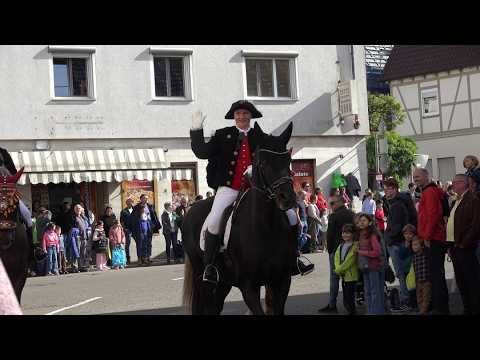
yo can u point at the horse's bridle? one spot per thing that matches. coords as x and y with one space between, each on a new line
269 189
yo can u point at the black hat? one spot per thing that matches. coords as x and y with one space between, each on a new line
246 105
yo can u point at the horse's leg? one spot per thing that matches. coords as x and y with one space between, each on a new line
222 291
251 296
280 291
268 300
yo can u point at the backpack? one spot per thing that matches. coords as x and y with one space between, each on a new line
406 198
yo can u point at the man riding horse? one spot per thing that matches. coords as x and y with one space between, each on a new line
230 152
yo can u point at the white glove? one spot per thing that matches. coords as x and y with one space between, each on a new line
197 120
248 172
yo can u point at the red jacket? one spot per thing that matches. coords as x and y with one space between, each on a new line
430 214
321 202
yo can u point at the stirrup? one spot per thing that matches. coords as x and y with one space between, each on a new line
302 273
208 280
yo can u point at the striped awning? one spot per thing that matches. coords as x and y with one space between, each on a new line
43 167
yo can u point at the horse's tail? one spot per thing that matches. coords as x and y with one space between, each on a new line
188 286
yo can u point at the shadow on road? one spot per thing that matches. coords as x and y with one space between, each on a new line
306 304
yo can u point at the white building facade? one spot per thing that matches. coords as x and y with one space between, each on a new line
442 106
90 120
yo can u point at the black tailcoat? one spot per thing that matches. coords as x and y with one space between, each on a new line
222 152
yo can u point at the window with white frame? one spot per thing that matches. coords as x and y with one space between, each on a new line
171 74
72 73
270 75
430 102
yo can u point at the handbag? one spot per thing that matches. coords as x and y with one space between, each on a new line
411 279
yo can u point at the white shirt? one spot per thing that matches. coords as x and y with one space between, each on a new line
245 132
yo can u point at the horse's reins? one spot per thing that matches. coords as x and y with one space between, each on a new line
269 190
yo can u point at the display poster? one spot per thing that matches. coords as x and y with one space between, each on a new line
40 197
304 171
135 188
182 188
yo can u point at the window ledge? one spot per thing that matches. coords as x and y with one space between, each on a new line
170 51
430 115
71 49
265 99
166 98
267 53
73 98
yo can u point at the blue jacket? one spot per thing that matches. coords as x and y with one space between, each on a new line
74 232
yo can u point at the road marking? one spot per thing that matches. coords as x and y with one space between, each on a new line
75 305
180 278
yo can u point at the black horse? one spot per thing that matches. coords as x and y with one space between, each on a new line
262 246
14 244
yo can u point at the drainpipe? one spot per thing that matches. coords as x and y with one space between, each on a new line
353 62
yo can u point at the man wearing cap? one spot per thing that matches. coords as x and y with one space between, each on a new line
230 152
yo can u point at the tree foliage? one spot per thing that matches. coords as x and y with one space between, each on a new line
386 108
401 150
401 155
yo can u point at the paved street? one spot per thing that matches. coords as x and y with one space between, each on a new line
157 290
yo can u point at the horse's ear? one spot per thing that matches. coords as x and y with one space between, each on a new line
286 134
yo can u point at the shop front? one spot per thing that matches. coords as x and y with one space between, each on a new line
98 178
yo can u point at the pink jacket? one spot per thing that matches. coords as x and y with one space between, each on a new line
116 235
50 238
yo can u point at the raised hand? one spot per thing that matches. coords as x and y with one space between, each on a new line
197 120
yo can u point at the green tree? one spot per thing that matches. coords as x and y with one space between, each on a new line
401 155
386 108
401 150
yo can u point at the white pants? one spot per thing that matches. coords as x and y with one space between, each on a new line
224 197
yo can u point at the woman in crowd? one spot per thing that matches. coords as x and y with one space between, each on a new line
371 263
117 242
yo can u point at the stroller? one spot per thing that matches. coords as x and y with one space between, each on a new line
392 295
40 262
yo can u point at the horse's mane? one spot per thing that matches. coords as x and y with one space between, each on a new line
4 171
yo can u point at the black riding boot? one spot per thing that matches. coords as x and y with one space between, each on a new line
212 245
300 267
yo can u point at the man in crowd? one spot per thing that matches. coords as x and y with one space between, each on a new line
170 232
431 228
180 211
125 220
463 228
340 216
397 219
149 216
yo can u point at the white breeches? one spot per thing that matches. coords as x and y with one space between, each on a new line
292 217
25 213
224 197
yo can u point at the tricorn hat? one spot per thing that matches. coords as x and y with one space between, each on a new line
246 105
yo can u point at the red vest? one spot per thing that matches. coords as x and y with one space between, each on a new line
244 160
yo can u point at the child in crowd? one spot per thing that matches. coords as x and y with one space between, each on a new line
117 241
346 267
380 217
470 163
61 253
50 245
100 245
371 262
409 233
422 275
